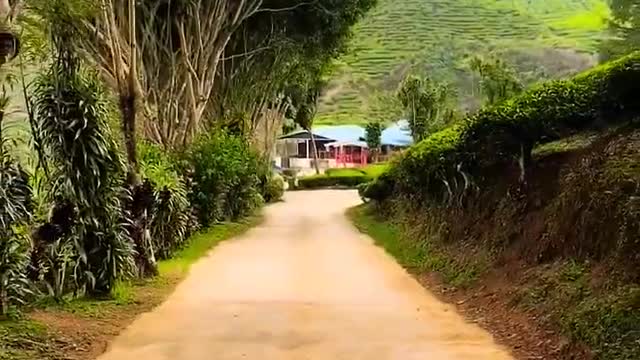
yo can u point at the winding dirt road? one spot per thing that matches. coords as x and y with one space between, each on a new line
304 285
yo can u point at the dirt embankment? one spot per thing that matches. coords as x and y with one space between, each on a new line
552 268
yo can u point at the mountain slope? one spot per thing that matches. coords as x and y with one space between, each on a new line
543 38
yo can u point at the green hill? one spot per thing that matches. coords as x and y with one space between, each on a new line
542 38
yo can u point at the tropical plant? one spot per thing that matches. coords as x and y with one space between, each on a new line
72 111
498 81
15 199
170 222
373 137
15 210
426 105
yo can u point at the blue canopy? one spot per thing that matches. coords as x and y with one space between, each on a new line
352 133
398 134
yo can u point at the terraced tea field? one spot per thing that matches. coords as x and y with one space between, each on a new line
436 35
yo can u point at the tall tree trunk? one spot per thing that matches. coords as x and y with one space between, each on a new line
128 101
128 109
315 152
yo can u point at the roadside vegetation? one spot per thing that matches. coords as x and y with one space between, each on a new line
348 178
128 149
541 39
531 202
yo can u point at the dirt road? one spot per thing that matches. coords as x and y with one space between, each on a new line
304 285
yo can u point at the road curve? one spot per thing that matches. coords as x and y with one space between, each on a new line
305 285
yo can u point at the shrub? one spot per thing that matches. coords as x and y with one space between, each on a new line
224 171
170 213
15 203
442 164
321 181
274 189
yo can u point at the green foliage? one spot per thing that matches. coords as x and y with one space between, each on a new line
425 104
437 35
624 30
224 171
87 170
15 211
14 285
443 164
170 212
373 136
274 189
335 180
498 81
610 324
606 318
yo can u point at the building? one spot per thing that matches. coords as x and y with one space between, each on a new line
338 146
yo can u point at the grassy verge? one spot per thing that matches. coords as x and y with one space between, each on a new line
588 308
80 328
416 255
580 301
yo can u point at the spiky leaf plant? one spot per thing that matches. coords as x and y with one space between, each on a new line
15 206
72 113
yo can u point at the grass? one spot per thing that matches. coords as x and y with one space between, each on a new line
435 36
605 317
26 338
414 255
372 171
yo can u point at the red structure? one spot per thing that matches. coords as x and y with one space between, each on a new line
349 154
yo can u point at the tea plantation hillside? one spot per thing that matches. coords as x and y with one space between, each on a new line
541 38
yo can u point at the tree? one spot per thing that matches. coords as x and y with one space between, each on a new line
307 105
624 29
373 137
426 105
498 81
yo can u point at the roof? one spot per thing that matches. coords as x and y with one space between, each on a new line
304 134
397 134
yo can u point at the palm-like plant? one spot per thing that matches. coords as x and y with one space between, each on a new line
72 112
15 205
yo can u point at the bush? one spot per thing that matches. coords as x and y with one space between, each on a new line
274 189
15 204
170 212
380 188
321 181
224 171
442 164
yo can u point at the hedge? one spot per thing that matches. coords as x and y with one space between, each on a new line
323 181
602 96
